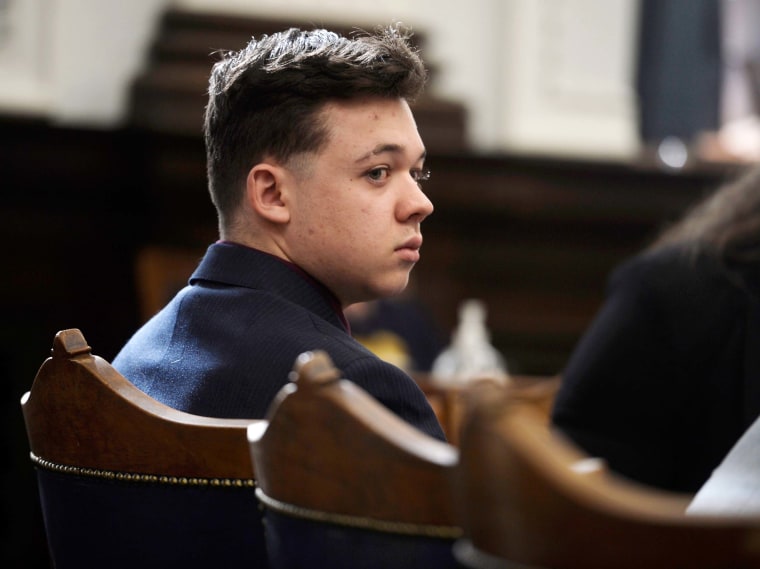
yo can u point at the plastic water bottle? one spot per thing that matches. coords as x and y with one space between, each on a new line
470 355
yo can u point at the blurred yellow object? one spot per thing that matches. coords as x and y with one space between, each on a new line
387 346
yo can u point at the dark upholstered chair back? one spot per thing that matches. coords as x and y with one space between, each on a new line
346 483
126 481
529 497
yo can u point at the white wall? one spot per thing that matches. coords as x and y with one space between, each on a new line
565 77
101 47
72 60
24 70
538 76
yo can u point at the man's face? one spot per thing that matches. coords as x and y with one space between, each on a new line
357 208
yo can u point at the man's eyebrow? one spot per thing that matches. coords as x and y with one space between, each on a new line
381 148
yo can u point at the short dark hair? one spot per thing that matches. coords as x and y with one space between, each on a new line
264 99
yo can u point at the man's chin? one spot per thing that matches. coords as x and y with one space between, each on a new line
393 290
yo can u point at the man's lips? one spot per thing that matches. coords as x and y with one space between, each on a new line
410 250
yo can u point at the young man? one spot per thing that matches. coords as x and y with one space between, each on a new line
314 166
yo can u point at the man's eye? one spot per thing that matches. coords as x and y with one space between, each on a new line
421 175
378 174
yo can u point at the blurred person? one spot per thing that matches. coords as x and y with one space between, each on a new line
315 167
399 330
667 377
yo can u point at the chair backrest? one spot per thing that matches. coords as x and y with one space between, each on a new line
126 481
346 483
529 497
160 272
448 402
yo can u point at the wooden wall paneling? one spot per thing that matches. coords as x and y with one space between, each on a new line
536 240
73 213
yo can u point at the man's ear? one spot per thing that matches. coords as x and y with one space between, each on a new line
264 192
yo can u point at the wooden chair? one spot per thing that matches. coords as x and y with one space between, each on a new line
126 481
160 273
449 402
530 498
347 484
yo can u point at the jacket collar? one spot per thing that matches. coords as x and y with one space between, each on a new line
233 264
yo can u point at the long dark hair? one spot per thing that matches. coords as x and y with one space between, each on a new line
725 224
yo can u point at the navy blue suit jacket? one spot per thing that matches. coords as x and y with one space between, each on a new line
667 377
225 344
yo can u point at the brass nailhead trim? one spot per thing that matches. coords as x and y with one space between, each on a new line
427 530
138 477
